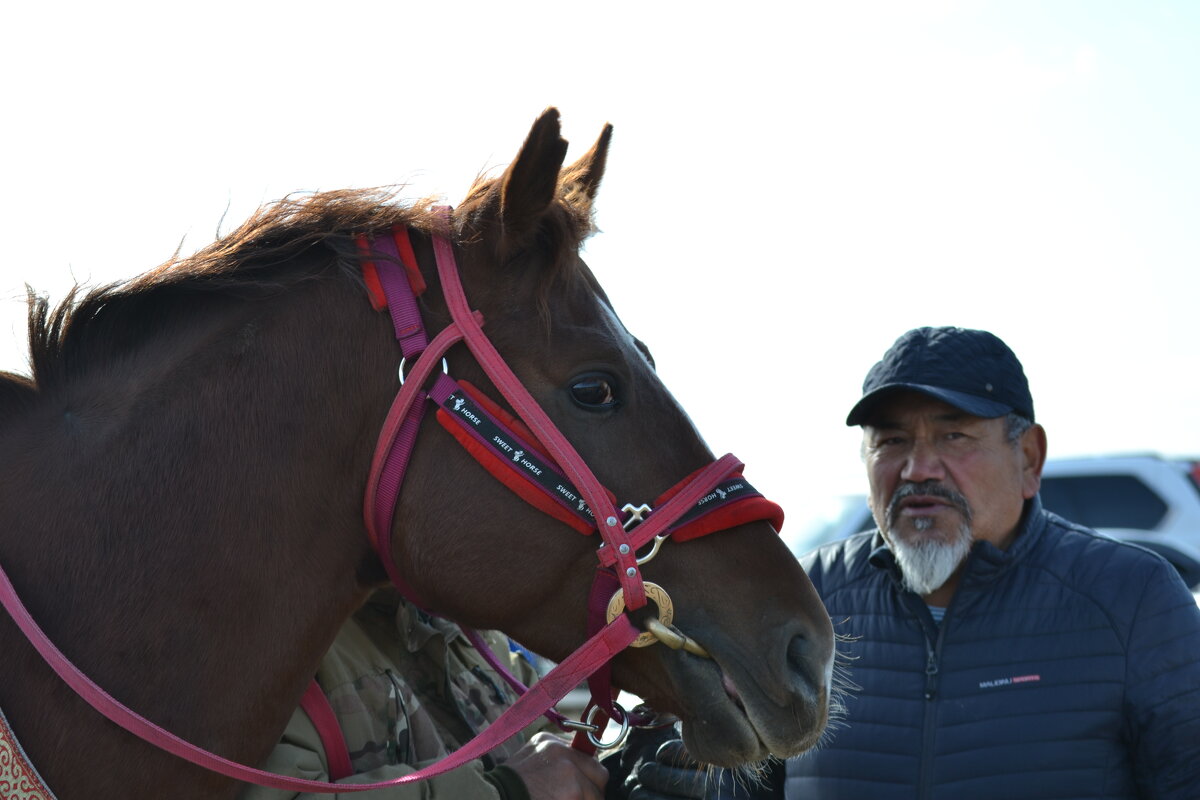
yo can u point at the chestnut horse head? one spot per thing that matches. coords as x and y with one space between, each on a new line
181 487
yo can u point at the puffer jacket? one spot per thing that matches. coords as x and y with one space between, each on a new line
1067 666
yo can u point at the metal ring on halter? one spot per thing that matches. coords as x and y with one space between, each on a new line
400 371
658 540
621 735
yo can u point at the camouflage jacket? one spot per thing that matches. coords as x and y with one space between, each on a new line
407 690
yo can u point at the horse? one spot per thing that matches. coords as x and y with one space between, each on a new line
182 474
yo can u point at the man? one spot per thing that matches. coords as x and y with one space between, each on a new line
407 689
1001 651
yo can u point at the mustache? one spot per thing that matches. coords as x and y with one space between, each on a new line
928 488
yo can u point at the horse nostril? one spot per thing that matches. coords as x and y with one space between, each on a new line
802 660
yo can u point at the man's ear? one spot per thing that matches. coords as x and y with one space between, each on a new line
1033 451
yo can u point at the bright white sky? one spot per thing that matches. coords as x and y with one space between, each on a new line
790 187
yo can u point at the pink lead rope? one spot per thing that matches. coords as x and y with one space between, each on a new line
547 692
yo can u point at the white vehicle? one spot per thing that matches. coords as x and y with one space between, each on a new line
1146 499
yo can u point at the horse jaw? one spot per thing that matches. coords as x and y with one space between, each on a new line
767 688
731 716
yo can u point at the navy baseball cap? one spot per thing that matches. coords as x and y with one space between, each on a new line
971 370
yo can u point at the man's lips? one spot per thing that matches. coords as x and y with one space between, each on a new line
924 505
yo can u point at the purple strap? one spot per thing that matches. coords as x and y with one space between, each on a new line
402 302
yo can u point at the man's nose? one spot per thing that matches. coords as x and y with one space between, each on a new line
923 464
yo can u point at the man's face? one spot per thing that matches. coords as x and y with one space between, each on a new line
938 474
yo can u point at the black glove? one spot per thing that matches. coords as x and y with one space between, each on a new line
639 749
671 775
654 765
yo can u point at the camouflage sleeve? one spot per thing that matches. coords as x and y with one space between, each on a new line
300 755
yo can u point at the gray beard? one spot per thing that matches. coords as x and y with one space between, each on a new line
927 563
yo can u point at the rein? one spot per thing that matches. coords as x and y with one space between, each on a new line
713 498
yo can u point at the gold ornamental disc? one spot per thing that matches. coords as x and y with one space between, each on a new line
666 610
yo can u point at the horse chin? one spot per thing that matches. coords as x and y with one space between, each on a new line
730 721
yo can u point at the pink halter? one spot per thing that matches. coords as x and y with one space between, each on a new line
394 446
554 479
617 554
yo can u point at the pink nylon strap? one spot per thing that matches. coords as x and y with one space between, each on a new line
478 424
316 705
597 651
665 515
481 646
604 585
392 450
607 519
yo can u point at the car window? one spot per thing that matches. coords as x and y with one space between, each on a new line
1104 501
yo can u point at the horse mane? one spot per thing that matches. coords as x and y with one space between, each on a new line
16 392
263 256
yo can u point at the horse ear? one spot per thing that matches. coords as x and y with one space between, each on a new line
528 186
589 169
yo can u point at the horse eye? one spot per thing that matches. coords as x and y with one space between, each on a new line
594 392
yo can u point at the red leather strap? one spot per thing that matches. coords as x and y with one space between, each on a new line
337 755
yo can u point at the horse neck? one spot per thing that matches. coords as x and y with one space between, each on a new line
201 542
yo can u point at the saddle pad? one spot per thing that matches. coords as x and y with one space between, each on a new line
18 779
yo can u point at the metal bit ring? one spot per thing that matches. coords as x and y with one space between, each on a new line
618 740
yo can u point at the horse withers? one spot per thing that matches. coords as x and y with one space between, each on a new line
182 480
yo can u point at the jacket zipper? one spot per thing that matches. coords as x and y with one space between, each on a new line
933 658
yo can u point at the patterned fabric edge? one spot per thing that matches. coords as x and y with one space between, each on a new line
19 780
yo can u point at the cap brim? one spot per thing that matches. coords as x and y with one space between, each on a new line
976 406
